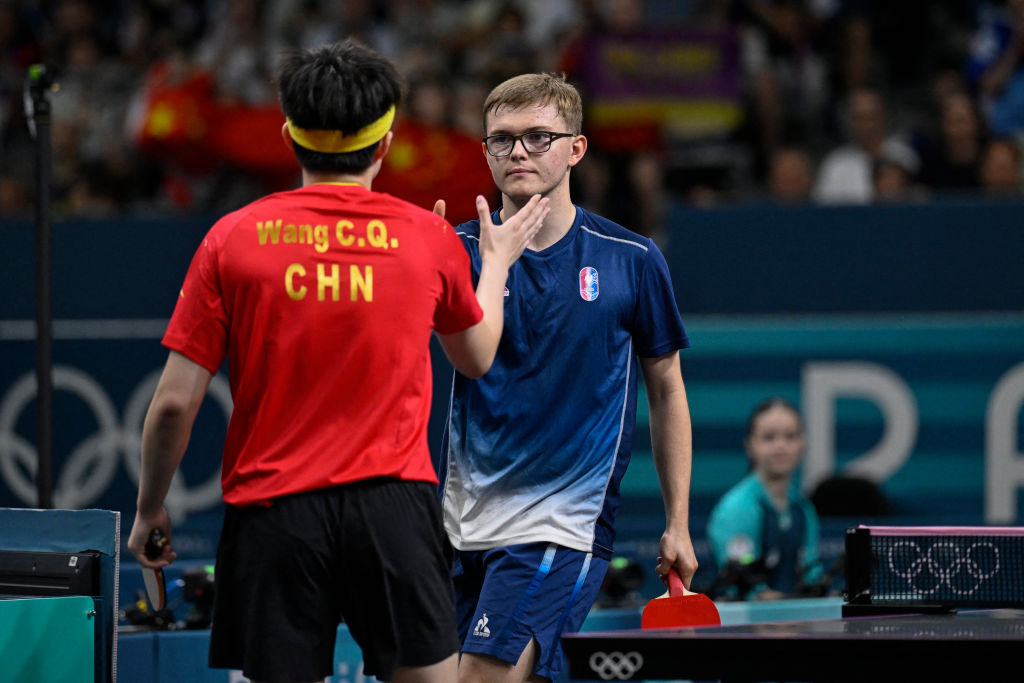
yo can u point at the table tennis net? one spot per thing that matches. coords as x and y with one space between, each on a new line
946 566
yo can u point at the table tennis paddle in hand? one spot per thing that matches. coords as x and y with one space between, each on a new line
156 586
679 608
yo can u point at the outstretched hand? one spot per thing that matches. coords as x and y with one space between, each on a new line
506 242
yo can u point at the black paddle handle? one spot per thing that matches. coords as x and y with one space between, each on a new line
155 544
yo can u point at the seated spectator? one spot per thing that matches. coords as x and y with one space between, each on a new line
845 174
790 175
1000 168
764 532
468 95
951 155
15 198
646 175
784 71
892 181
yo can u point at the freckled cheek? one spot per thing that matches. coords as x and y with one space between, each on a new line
549 171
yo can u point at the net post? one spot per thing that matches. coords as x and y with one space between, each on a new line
858 566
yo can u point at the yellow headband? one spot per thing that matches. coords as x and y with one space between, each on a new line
335 142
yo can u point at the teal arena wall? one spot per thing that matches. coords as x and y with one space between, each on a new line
899 330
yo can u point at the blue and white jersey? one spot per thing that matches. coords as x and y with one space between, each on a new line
535 449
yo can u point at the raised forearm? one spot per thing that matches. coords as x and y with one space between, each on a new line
994 79
490 294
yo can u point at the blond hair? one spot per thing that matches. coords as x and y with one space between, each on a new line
538 89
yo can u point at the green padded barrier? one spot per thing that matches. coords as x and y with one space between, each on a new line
47 639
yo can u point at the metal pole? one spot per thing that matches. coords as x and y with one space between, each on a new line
38 85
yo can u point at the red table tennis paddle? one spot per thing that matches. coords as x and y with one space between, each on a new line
679 608
156 585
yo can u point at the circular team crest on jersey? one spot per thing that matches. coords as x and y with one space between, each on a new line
588 284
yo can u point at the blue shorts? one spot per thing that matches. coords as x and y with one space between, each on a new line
506 596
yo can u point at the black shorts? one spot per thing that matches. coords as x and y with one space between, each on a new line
373 553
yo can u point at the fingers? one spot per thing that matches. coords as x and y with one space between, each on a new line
142 528
167 556
534 213
158 548
531 216
483 211
663 568
508 240
439 207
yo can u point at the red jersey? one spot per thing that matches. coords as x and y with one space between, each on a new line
323 300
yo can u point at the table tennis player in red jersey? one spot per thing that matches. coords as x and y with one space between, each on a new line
323 300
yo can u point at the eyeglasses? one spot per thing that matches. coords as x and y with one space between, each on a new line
534 142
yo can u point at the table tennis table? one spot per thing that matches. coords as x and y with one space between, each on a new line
969 646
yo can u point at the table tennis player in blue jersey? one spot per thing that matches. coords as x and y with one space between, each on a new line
534 451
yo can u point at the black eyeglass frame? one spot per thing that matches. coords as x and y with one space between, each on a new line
519 138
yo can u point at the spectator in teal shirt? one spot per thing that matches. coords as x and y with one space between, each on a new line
764 531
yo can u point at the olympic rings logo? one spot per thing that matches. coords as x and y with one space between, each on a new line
93 462
616 665
945 564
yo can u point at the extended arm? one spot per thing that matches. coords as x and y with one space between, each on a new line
672 445
998 74
165 435
472 351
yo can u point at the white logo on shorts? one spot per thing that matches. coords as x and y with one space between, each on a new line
481 630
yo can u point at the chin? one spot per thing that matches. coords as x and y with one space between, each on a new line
776 473
526 187
520 197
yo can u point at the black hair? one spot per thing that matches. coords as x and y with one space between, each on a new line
341 86
768 404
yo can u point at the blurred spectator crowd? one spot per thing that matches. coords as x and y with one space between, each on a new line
168 106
